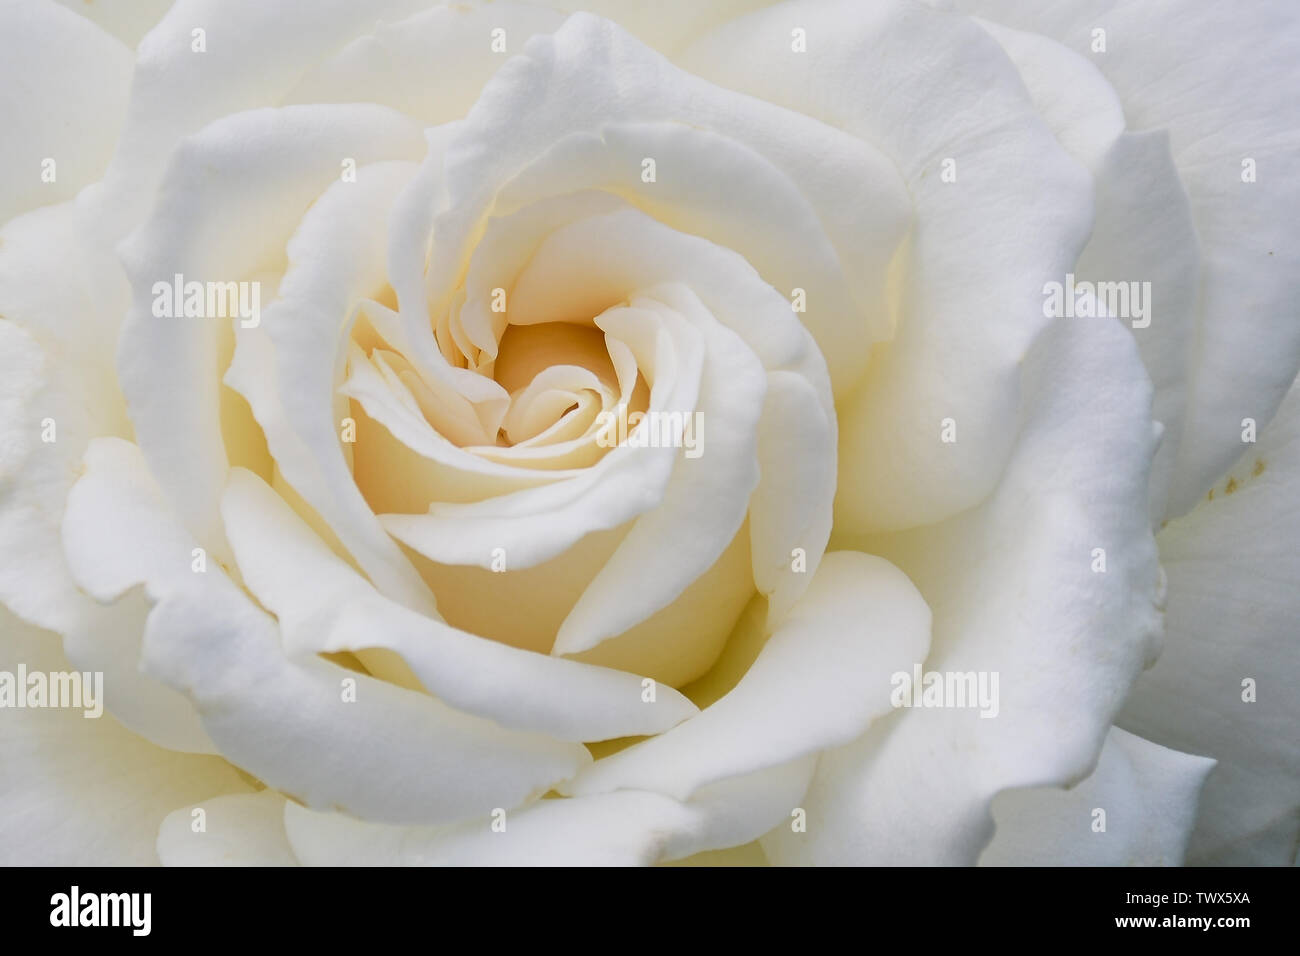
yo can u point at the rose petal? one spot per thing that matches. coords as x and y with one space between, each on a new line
628 828
252 55
982 247
232 196
1148 794
128 20
624 828
1014 593
1144 230
820 680
65 85
54 388
239 830
86 792
1221 104
1232 565
291 722
292 726
110 640
60 296
667 26
536 524
723 189
580 269
323 605
430 65
289 377
791 507
34 476
589 75
704 502
738 810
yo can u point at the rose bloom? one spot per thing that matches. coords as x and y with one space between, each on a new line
500 434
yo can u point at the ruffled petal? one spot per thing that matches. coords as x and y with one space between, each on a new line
64 84
309 728
1221 104
1232 566
1144 239
86 792
1146 795
252 55
325 606
568 88
967 290
1017 591
623 828
430 65
245 829
820 679
253 175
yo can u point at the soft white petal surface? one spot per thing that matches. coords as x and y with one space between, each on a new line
430 65
240 830
77 791
232 197
1232 565
1149 797
623 828
1220 78
1144 231
588 75
63 88
324 605
290 377
290 722
1013 592
128 20
925 87
254 54
821 678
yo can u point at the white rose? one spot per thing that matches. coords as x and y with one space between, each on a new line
367 582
